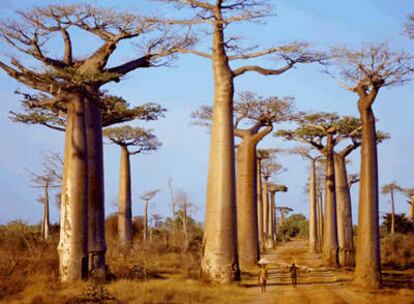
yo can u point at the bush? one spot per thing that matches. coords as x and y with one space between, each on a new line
397 250
295 225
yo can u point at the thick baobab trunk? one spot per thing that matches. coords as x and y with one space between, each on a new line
320 221
219 260
72 248
124 207
411 207
247 231
392 213
259 205
266 213
367 266
313 227
96 200
45 221
330 239
344 214
146 230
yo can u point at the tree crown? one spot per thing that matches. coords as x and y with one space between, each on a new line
143 140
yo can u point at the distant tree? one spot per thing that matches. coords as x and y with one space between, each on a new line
391 189
272 224
400 223
365 72
306 152
132 141
49 178
147 197
185 206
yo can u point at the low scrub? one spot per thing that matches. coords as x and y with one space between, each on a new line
397 250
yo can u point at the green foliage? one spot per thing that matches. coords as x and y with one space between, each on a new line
114 110
142 139
295 225
403 225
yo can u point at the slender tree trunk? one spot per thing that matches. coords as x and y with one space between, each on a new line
185 228
96 200
266 212
320 220
219 260
313 227
125 207
146 229
72 248
344 214
259 205
45 221
392 213
330 240
273 205
368 267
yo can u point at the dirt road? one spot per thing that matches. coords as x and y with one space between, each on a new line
320 285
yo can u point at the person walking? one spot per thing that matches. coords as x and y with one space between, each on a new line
263 274
294 274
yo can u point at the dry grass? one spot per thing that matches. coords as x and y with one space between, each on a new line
397 250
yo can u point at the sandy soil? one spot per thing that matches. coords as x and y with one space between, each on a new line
319 285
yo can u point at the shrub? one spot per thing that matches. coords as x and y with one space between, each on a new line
397 250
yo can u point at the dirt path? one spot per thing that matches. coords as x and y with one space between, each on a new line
317 284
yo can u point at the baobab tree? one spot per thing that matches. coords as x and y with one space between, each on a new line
184 207
147 197
314 240
261 155
273 188
48 179
365 71
132 141
391 189
76 82
270 167
219 259
323 131
254 117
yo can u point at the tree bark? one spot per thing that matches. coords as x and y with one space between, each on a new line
412 208
368 267
267 215
320 220
124 207
219 260
344 214
46 221
313 223
72 248
330 240
392 213
247 227
259 205
273 213
96 200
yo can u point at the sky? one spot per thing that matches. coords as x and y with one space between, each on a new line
188 84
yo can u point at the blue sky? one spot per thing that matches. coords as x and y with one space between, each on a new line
188 84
